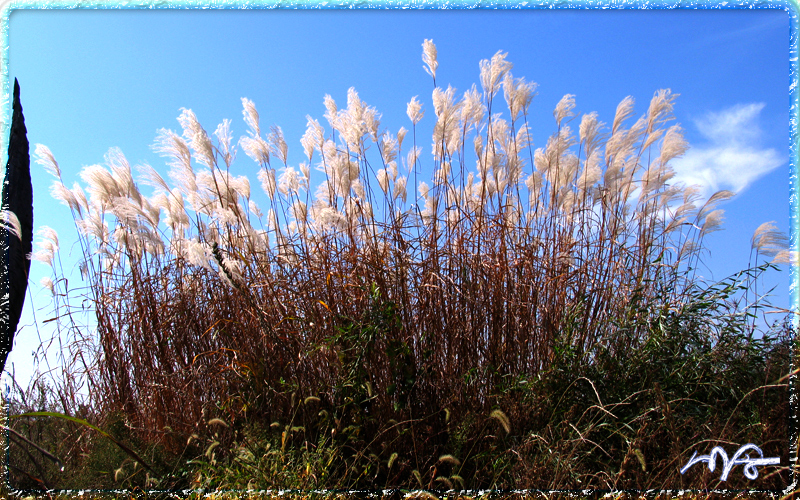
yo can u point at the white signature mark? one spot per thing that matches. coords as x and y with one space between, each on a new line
750 464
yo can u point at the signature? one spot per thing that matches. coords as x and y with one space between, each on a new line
750 464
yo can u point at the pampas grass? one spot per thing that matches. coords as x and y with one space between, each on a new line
484 263
213 303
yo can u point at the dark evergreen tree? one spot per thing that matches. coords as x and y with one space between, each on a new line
17 198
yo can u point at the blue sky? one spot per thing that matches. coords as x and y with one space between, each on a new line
96 79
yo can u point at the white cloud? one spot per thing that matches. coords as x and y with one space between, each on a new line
733 157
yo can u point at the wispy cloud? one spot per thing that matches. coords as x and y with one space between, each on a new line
734 155
769 22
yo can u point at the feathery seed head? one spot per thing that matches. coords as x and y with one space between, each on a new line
225 136
654 178
660 108
423 190
429 211
383 180
80 198
493 71
152 178
278 144
305 179
713 222
372 122
299 211
413 155
256 148
61 193
121 173
591 172
48 283
400 188
446 131
47 246
450 459
389 147
401 134
313 138
716 198
472 108
524 93
499 129
624 110
289 181
241 186
414 110
267 178
101 185
197 137
330 218
170 144
198 254
441 175
331 110
251 117
564 108
355 106
589 129
477 144
789 257
347 172
10 222
691 194
534 182
253 207
541 160
673 145
46 159
176 213
768 240
429 58
325 193
720 196
523 138
651 137
95 226
502 418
